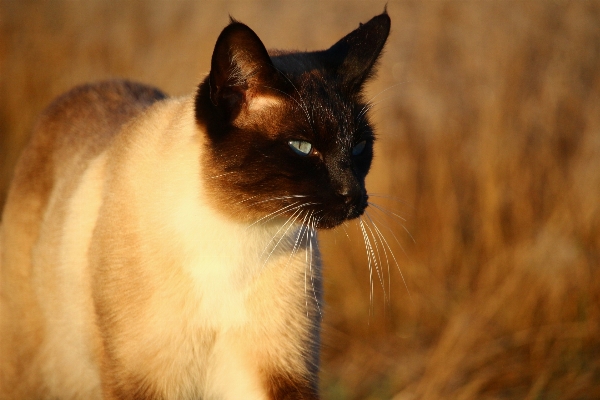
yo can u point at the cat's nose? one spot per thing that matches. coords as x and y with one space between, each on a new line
351 196
348 188
355 205
348 193
345 192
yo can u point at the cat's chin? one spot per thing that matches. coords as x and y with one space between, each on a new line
326 224
330 222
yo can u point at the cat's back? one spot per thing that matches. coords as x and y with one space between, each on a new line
71 132
75 128
69 136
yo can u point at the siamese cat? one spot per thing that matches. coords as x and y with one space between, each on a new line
166 248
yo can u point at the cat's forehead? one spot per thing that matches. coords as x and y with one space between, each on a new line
309 85
306 101
326 103
307 73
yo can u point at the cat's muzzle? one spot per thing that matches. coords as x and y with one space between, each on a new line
348 208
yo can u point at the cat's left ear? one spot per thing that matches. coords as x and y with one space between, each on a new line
239 62
354 56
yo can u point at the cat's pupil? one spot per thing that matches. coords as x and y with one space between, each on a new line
301 147
356 150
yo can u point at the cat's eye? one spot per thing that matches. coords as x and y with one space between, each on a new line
301 147
356 150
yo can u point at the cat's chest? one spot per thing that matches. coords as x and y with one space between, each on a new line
233 270
200 261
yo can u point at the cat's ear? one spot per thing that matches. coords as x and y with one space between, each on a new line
239 62
354 56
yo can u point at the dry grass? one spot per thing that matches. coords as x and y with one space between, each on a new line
489 147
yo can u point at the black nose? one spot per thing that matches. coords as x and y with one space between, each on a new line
345 191
350 199
349 190
355 204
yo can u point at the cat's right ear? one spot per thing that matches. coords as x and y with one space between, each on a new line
240 62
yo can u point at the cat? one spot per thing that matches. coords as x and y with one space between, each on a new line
166 248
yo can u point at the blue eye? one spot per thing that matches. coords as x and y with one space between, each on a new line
356 150
301 147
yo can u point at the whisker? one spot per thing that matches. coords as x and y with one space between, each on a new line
386 89
387 260
312 282
274 214
294 208
298 237
295 216
362 120
378 266
220 175
379 108
382 236
306 261
300 104
344 227
366 108
246 199
392 198
367 245
310 121
389 228
271 199
386 212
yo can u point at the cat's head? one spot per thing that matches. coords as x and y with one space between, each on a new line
288 133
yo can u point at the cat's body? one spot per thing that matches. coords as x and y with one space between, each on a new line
156 248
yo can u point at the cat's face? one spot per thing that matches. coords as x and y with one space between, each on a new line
288 134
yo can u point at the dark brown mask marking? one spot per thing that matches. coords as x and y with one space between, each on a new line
256 106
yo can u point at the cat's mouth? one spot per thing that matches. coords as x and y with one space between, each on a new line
350 209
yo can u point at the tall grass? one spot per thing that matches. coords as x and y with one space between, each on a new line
488 118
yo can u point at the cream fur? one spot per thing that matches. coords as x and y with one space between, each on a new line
133 263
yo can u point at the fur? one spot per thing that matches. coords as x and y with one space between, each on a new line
163 248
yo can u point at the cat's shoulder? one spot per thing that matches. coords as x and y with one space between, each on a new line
110 96
95 109
79 125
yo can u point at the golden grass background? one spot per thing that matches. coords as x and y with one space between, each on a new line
488 116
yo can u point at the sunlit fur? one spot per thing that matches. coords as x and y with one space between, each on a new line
166 248
145 288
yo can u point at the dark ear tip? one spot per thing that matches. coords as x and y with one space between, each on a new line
381 23
384 18
235 26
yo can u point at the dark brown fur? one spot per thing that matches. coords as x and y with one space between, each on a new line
319 97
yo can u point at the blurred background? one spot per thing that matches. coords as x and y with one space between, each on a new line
486 283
